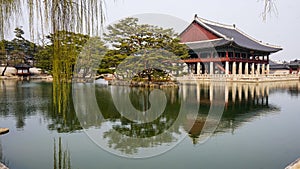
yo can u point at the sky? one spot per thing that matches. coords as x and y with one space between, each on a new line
282 29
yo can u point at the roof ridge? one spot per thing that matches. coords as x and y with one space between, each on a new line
216 23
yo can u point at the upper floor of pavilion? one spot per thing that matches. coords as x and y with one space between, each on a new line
205 37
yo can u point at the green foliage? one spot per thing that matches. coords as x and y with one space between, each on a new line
64 49
89 58
53 15
18 50
128 37
110 61
138 47
44 58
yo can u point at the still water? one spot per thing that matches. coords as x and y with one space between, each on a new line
257 127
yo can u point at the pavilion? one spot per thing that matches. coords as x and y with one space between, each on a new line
224 49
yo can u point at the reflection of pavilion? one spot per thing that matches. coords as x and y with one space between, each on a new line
223 49
243 102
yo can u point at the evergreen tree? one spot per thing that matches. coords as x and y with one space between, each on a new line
145 48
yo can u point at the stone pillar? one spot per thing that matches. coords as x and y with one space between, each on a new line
211 68
226 94
184 91
263 69
233 68
233 92
211 93
186 68
240 90
246 91
252 68
263 90
246 68
257 91
252 91
226 67
258 69
198 68
240 68
268 69
198 92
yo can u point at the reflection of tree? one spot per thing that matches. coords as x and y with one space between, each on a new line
130 145
18 98
22 99
4 99
61 157
65 121
128 136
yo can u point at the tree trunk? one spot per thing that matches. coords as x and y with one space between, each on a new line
3 72
149 77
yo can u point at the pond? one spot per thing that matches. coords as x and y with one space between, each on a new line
198 125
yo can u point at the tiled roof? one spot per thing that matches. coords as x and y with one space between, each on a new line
207 44
229 33
22 65
274 65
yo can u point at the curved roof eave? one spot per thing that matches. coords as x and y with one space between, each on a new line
270 50
249 42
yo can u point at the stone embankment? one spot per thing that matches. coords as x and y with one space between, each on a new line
11 74
144 84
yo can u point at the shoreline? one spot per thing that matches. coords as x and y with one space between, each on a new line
197 78
33 77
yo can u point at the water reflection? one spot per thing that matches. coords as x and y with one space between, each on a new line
23 99
61 156
2 158
294 90
149 129
243 103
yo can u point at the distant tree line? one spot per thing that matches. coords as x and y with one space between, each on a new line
126 39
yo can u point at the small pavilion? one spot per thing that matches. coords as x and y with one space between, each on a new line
295 66
23 69
224 49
